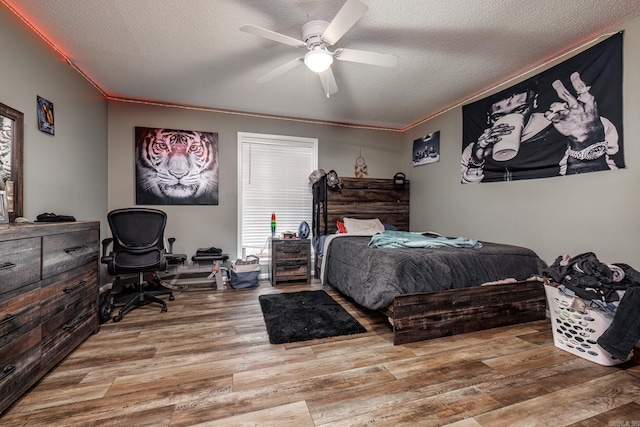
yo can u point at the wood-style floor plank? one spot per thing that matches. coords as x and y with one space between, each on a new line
569 405
208 362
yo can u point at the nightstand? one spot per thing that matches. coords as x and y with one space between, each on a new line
290 260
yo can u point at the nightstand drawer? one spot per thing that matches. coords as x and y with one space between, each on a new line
294 249
287 269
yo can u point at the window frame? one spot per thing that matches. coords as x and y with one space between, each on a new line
247 137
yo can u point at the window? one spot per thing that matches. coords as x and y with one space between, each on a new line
273 177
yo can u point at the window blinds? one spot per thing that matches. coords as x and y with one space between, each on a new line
274 178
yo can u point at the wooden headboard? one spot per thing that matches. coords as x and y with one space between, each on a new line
361 198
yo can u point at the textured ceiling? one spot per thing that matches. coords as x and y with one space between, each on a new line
191 52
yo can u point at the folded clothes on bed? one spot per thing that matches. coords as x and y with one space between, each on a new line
406 239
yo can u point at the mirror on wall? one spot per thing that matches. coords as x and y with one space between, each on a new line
11 150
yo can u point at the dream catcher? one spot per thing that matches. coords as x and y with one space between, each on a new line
360 168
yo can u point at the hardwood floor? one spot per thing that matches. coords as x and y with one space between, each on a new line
208 361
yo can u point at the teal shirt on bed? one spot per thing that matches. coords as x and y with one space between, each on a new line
405 239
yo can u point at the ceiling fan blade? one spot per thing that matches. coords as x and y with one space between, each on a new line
328 82
280 70
350 13
272 35
366 57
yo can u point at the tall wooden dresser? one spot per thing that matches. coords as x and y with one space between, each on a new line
49 290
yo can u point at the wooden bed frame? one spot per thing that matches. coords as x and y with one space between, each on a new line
427 315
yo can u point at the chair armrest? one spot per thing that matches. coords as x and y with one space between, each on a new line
171 240
105 244
107 257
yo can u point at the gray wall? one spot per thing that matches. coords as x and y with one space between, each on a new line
65 173
86 169
204 226
595 212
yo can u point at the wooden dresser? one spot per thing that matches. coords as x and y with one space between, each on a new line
290 260
49 290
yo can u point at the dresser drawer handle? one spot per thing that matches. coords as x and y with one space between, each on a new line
77 286
291 267
75 324
291 251
7 371
75 248
6 265
8 318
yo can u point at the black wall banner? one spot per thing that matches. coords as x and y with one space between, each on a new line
566 120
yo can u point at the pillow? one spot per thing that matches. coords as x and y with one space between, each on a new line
354 225
341 228
389 227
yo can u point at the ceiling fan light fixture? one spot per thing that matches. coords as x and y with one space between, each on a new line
318 59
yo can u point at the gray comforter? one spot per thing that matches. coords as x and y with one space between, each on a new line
373 277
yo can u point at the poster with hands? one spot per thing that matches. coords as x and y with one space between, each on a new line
563 121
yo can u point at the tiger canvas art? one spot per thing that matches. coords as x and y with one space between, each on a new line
176 167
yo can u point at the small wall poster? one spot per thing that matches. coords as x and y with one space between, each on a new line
45 116
426 149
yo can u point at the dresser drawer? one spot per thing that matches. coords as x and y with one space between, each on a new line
295 249
69 312
19 360
291 270
68 289
19 263
62 252
19 313
67 330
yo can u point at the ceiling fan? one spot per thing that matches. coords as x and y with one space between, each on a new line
317 36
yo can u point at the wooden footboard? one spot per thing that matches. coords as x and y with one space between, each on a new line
428 315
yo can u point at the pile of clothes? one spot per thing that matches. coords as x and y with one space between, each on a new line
612 288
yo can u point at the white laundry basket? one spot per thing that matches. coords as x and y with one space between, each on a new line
577 331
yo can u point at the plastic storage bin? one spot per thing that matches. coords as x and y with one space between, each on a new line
577 332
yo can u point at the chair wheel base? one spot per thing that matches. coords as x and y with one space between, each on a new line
106 308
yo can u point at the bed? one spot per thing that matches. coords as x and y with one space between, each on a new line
427 292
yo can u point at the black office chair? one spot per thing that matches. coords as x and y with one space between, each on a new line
138 248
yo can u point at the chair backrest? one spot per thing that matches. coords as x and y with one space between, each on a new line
138 238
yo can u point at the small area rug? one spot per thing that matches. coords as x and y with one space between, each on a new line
305 315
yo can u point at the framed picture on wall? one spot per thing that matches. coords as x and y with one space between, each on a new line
176 167
11 150
45 116
426 149
4 213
